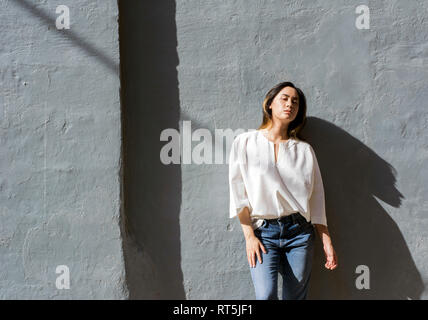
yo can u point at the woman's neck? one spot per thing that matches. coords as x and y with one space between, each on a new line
278 133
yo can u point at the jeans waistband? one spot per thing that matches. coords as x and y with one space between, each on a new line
296 216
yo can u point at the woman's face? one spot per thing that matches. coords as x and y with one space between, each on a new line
285 105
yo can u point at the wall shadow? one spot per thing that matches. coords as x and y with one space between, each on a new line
151 190
90 48
362 231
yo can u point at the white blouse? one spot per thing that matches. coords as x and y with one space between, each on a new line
274 189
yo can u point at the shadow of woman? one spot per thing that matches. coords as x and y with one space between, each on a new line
363 233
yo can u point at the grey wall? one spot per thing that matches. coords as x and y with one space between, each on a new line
60 151
211 63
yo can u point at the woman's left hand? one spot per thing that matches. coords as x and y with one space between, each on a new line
330 256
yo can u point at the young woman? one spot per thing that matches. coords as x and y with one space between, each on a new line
276 190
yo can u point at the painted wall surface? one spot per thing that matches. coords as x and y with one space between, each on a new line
60 144
211 63
189 65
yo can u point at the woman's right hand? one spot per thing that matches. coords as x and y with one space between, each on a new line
253 249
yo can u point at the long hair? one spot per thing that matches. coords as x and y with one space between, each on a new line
295 126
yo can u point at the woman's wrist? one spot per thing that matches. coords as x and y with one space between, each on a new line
246 224
248 232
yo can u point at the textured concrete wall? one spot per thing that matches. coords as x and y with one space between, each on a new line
211 63
60 151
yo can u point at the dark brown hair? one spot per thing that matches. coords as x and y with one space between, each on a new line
294 128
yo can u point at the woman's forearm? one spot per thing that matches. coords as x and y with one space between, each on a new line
330 253
247 228
323 233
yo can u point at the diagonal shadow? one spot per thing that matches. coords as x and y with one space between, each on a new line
151 190
362 232
89 48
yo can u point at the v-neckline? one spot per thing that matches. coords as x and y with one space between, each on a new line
275 155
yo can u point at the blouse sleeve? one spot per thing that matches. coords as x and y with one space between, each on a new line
317 200
238 194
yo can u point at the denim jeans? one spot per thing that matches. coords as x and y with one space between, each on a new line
289 243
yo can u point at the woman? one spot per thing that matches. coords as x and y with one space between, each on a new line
276 190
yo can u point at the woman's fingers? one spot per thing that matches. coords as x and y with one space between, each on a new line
331 258
253 255
258 255
334 263
254 249
331 262
263 248
332 266
250 259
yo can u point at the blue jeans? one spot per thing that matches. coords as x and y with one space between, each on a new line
289 243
